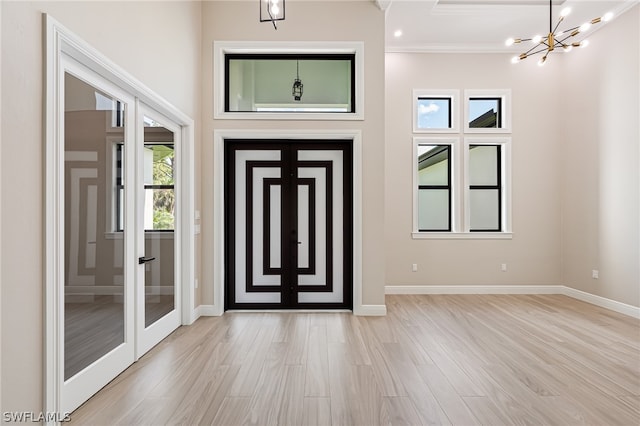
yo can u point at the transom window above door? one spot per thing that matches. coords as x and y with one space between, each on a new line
307 83
292 81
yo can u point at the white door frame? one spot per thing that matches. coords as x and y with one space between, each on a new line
218 199
62 42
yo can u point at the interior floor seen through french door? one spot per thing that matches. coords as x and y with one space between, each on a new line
85 341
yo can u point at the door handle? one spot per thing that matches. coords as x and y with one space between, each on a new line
142 260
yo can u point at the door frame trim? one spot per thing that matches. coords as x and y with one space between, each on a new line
61 42
219 136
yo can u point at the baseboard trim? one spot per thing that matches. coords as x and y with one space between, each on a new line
363 310
600 301
603 302
474 289
208 311
370 310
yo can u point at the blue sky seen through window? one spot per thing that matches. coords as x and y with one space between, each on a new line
434 113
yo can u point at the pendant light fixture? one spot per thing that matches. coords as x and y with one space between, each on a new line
296 90
555 39
271 11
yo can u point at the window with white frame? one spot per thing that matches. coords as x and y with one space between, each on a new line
487 111
272 80
486 184
462 183
435 111
433 180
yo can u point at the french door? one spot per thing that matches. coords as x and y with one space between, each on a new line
288 222
119 284
158 149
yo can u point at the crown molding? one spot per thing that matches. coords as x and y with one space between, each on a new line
449 48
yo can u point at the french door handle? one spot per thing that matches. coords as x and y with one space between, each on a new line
142 260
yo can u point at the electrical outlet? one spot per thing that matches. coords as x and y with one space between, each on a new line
503 267
414 267
595 274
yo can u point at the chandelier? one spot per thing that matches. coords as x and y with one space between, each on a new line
555 39
271 11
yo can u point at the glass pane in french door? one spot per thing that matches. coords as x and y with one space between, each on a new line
159 158
93 230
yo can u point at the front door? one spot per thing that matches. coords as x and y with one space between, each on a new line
288 224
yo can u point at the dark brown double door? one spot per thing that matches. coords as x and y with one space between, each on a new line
288 224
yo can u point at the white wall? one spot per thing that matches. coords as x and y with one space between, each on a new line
600 165
135 36
306 21
533 255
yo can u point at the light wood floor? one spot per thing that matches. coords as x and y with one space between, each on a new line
463 359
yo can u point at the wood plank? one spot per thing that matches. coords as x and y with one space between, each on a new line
399 411
316 381
316 411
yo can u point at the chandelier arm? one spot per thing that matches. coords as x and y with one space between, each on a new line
571 29
566 38
556 27
538 51
528 52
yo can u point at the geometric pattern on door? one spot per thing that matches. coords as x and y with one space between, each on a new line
288 216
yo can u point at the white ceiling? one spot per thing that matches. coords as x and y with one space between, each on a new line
482 25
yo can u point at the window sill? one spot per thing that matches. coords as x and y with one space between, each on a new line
462 235
335 116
